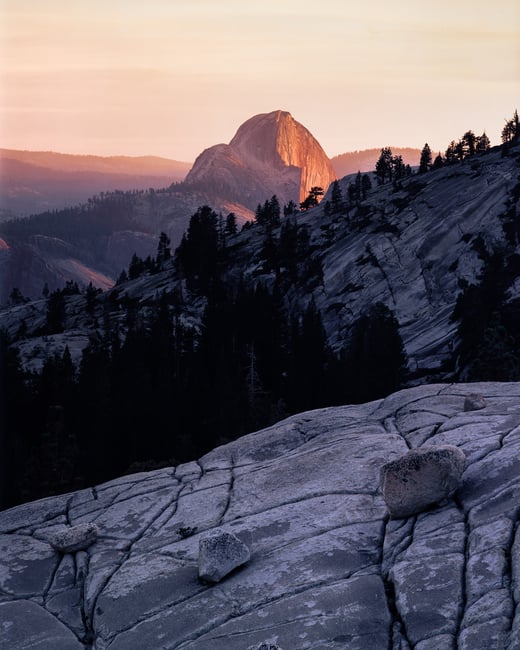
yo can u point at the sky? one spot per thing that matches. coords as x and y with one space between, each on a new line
173 77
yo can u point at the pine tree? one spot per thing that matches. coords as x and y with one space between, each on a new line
55 318
230 228
375 355
309 356
469 143
438 162
123 277
336 199
366 185
384 166
290 209
451 153
268 214
136 268
91 294
460 150
274 212
511 130
164 252
198 254
426 159
16 297
312 199
483 144
398 168
18 423
496 356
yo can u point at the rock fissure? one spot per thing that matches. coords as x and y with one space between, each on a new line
316 534
127 554
512 580
391 427
397 631
503 438
201 469
435 431
154 613
386 279
508 577
259 605
67 511
52 579
464 573
84 640
230 492
316 495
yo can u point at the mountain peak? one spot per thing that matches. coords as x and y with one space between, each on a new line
271 153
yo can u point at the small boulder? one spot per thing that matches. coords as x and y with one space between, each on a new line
264 646
76 538
421 478
474 402
219 553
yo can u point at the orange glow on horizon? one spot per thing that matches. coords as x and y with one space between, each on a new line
172 78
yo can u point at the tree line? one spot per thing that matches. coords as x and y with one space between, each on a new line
390 168
154 388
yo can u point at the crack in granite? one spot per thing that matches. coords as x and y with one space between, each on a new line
390 426
230 491
260 605
464 599
119 565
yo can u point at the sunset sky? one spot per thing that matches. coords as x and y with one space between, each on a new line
172 77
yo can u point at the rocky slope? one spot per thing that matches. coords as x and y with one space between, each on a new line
93 242
414 248
270 154
411 247
328 568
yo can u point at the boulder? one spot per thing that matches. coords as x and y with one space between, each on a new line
219 553
421 478
264 646
474 402
76 538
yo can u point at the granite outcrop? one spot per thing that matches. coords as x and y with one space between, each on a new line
328 568
271 153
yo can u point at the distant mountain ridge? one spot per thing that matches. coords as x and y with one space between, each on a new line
34 181
365 159
142 165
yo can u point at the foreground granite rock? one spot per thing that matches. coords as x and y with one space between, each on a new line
421 478
75 538
474 402
328 569
219 554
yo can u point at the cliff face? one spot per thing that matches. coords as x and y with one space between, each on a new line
270 154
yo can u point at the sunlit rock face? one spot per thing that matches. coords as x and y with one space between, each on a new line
270 154
328 567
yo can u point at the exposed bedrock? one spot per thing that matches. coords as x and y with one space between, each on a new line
328 567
